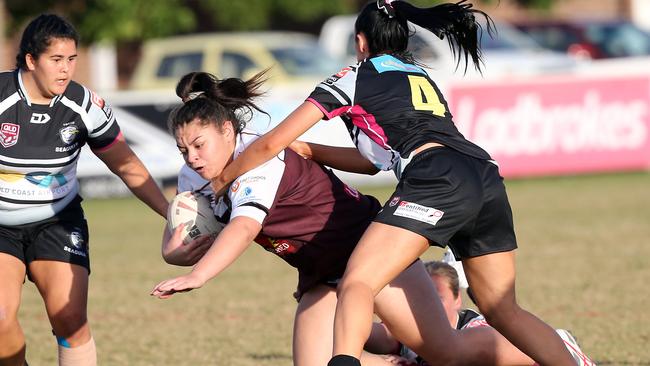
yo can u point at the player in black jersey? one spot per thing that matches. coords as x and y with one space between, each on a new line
449 191
45 119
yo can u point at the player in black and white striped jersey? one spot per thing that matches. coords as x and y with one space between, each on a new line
45 119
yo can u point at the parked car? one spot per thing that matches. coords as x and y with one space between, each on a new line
510 52
154 146
591 39
293 56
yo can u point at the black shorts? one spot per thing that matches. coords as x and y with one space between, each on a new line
453 199
63 237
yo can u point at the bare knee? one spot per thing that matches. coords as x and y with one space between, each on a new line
71 325
501 313
448 355
352 284
8 321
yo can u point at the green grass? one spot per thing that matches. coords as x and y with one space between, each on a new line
582 265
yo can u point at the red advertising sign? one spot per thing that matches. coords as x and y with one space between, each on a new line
561 126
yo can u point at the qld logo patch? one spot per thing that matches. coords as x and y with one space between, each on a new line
9 134
417 212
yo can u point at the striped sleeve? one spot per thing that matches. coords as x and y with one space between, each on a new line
335 95
103 129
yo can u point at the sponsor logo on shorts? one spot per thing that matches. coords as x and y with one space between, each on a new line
417 212
9 133
393 202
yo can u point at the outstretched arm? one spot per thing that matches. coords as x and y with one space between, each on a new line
347 159
229 245
269 145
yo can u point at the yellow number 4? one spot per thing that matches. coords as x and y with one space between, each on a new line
424 97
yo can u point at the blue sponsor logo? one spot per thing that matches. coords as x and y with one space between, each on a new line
44 179
389 63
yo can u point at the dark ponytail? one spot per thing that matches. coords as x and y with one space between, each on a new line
455 21
212 100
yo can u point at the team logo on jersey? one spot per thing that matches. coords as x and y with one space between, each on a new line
40 118
234 187
393 202
9 134
68 134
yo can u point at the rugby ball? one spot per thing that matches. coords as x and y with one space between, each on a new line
192 209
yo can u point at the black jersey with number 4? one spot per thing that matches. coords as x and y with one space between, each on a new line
40 146
390 108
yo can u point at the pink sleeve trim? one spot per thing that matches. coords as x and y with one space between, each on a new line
102 149
319 106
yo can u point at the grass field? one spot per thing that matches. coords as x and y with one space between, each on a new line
582 265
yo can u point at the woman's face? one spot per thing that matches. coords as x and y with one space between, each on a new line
451 303
53 69
206 149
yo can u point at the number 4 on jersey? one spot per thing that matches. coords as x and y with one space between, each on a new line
424 96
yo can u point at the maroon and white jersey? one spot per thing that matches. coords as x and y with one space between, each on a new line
40 146
390 108
309 217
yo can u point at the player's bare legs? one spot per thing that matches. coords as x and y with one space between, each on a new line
312 335
12 339
64 288
492 280
413 291
374 262
313 330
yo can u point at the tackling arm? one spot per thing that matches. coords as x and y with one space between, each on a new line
269 145
347 159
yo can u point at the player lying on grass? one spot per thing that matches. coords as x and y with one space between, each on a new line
447 282
293 207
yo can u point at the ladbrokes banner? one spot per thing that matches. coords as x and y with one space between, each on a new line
558 126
